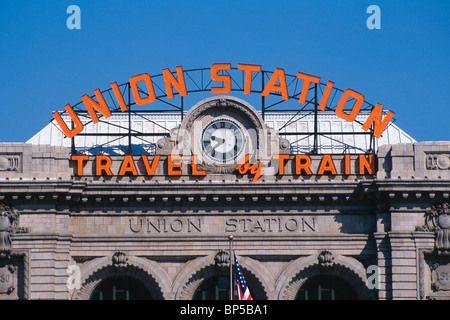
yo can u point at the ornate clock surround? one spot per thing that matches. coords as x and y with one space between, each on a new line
258 135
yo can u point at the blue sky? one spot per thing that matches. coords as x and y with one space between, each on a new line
404 65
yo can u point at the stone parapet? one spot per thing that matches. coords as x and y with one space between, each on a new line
22 161
421 160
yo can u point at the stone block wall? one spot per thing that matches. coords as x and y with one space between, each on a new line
360 221
21 161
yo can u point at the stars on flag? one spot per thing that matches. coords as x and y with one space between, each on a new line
241 290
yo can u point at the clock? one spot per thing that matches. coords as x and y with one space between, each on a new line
223 140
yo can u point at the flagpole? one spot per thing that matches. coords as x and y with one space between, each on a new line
230 238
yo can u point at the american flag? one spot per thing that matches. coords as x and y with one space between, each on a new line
241 291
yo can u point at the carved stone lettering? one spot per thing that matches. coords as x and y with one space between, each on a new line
165 225
221 225
271 224
8 282
441 277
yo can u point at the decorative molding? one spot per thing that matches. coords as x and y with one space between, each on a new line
120 260
326 259
198 270
260 140
222 259
437 220
9 224
437 161
99 269
11 162
304 268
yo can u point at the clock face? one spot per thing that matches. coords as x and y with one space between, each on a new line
222 140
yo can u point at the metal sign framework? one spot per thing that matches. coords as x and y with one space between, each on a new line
199 81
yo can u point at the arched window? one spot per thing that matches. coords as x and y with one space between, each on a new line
214 288
120 288
326 287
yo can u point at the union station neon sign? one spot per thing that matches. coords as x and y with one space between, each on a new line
276 84
142 89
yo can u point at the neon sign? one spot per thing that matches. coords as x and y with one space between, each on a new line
276 84
172 165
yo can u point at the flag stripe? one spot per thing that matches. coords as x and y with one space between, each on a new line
241 290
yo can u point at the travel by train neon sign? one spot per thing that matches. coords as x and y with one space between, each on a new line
172 165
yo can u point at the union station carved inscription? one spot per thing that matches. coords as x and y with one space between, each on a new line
233 224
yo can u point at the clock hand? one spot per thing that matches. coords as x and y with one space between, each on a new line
221 142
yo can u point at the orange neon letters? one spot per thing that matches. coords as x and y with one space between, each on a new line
277 83
80 159
78 125
248 69
151 169
375 118
100 106
195 171
356 107
169 81
128 166
119 96
365 164
256 168
173 168
347 163
100 166
326 95
135 89
307 79
299 166
278 75
327 165
220 78
281 158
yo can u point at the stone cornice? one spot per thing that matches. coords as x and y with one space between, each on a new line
280 191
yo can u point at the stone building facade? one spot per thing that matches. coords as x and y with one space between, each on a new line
384 235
